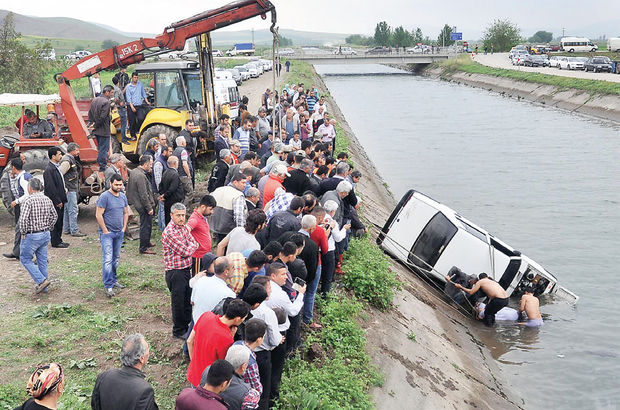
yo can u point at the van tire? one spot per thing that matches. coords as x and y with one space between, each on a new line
153 132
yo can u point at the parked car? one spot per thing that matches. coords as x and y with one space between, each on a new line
245 74
597 64
570 63
236 75
286 51
218 53
378 50
253 71
345 51
256 66
518 58
555 47
554 61
535 60
267 63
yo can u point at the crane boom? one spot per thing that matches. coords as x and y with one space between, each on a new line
173 38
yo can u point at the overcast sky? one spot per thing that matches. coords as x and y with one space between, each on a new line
346 16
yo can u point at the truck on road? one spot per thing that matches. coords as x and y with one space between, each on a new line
244 49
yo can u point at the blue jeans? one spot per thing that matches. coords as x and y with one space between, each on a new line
122 113
71 213
110 254
35 244
161 217
309 296
103 147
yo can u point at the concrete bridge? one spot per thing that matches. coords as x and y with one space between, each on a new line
387 58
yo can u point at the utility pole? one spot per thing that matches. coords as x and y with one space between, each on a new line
252 35
563 29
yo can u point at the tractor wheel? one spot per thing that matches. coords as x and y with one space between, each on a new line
5 189
153 132
36 162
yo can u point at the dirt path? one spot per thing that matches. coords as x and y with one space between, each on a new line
501 60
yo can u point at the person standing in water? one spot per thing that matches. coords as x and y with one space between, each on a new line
531 306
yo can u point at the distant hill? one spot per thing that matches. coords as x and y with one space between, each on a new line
63 27
264 37
67 33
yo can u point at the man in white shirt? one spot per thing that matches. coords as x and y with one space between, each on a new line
273 339
277 273
208 291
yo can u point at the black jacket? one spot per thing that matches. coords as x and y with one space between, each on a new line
99 114
123 388
218 175
171 187
297 183
281 222
53 183
310 254
330 184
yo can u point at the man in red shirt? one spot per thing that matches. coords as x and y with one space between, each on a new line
212 336
179 246
277 174
199 228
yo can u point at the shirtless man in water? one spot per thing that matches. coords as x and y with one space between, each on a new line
497 296
531 306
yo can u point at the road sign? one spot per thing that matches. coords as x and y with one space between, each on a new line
456 36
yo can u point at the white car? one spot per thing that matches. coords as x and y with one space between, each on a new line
345 51
268 64
554 61
286 51
253 72
415 50
570 63
245 74
256 66
218 53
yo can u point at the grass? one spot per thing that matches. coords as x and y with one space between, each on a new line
81 329
64 46
464 64
368 275
334 371
339 374
230 62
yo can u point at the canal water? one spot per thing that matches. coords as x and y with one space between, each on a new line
544 180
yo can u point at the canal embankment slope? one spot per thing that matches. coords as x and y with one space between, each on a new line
593 97
429 353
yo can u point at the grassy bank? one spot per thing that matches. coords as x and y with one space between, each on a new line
77 326
334 370
465 64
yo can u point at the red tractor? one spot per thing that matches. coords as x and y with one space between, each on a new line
70 115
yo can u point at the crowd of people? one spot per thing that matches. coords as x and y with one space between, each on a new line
244 260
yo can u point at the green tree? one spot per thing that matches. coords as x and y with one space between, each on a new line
541 37
401 38
284 41
383 34
108 44
21 69
444 36
502 34
360 40
417 36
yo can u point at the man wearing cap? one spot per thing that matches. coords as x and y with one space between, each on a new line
277 150
235 150
277 175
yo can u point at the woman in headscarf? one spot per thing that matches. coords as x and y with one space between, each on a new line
45 386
